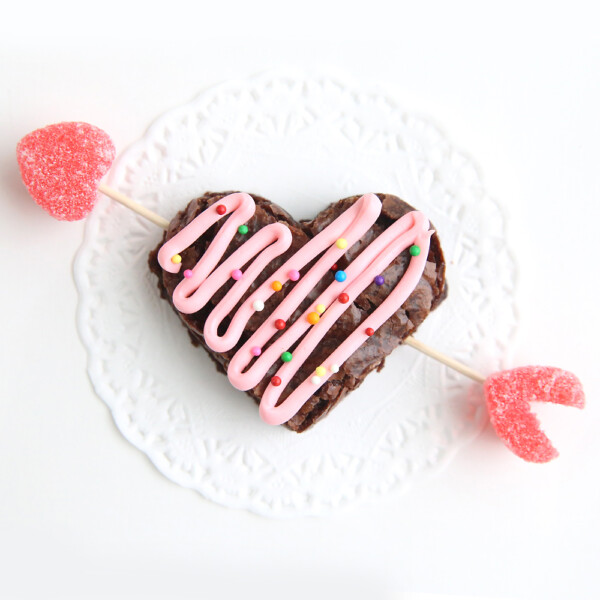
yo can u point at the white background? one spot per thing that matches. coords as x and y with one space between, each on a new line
84 514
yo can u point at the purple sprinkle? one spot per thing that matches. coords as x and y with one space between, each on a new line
379 280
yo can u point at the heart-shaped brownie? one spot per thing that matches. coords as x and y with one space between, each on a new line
370 355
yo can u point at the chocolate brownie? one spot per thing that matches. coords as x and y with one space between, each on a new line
428 294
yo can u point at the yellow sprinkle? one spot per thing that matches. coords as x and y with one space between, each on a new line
320 308
176 259
341 243
320 371
276 285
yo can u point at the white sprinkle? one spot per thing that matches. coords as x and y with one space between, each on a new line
316 380
334 368
258 305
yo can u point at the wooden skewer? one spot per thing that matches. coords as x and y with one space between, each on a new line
133 205
409 341
444 359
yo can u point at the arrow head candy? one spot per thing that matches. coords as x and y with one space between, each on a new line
508 394
63 164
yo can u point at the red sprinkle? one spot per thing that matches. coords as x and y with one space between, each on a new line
343 297
280 324
221 210
275 380
369 331
334 267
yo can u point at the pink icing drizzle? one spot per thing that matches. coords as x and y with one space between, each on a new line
193 293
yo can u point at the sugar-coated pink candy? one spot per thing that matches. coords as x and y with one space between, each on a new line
63 164
508 394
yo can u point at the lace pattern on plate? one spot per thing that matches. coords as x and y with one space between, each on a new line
303 142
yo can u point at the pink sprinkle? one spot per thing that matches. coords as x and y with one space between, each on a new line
62 165
256 351
294 275
188 273
236 274
508 394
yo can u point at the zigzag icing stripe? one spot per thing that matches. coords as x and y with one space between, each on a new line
196 290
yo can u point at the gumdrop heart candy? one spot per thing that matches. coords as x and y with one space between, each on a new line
508 394
63 164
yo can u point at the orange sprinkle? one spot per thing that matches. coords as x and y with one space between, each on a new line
313 318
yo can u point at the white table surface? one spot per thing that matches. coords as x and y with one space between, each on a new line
84 514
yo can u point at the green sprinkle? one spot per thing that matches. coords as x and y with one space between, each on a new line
286 356
243 229
415 250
